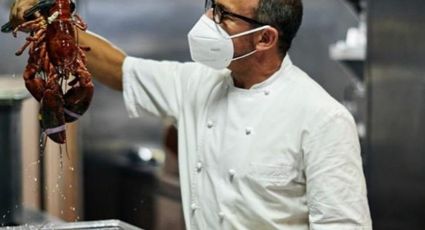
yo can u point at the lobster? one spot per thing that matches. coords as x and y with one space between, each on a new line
56 74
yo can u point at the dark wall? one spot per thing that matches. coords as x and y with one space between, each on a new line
324 23
396 84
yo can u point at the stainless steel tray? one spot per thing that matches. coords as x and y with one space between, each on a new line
101 224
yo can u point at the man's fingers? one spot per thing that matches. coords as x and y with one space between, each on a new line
18 9
12 10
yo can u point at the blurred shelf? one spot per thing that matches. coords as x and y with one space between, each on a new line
342 52
12 89
351 57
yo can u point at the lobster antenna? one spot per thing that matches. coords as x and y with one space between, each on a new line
67 152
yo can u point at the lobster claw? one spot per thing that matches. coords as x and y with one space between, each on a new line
77 99
51 114
34 85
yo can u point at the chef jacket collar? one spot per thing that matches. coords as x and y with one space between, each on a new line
264 84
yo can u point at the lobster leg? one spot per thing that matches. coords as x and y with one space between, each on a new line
33 25
34 84
79 23
78 98
37 38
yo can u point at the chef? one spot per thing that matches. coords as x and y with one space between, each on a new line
261 145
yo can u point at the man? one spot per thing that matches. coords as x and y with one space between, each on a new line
261 145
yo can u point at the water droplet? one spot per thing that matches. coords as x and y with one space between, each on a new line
35 179
61 212
70 186
71 168
72 208
57 185
4 216
16 206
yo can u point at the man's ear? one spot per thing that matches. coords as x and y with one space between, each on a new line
267 39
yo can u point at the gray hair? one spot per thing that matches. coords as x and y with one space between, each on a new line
285 16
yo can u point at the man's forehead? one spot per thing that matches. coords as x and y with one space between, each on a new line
239 6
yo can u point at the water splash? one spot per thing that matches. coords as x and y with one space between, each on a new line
43 141
61 157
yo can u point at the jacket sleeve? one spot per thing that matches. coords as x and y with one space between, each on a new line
157 87
336 188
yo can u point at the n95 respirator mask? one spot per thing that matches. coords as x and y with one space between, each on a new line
212 46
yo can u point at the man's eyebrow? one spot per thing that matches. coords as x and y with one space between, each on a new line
221 6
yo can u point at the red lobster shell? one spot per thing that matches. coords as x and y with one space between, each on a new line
56 73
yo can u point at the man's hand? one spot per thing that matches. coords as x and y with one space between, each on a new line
17 11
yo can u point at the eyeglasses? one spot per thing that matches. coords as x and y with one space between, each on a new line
219 14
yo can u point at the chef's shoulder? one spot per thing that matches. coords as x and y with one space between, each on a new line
315 102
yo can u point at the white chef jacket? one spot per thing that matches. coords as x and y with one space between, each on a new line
281 155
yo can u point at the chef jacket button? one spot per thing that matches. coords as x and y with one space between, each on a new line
199 166
194 206
210 124
267 92
232 173
221 215
248 131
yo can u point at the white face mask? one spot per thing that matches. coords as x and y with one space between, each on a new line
211 45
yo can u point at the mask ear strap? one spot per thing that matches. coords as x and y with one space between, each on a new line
244 56
249 31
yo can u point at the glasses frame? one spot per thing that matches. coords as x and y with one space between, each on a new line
218 13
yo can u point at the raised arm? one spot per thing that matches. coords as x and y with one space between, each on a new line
104 59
